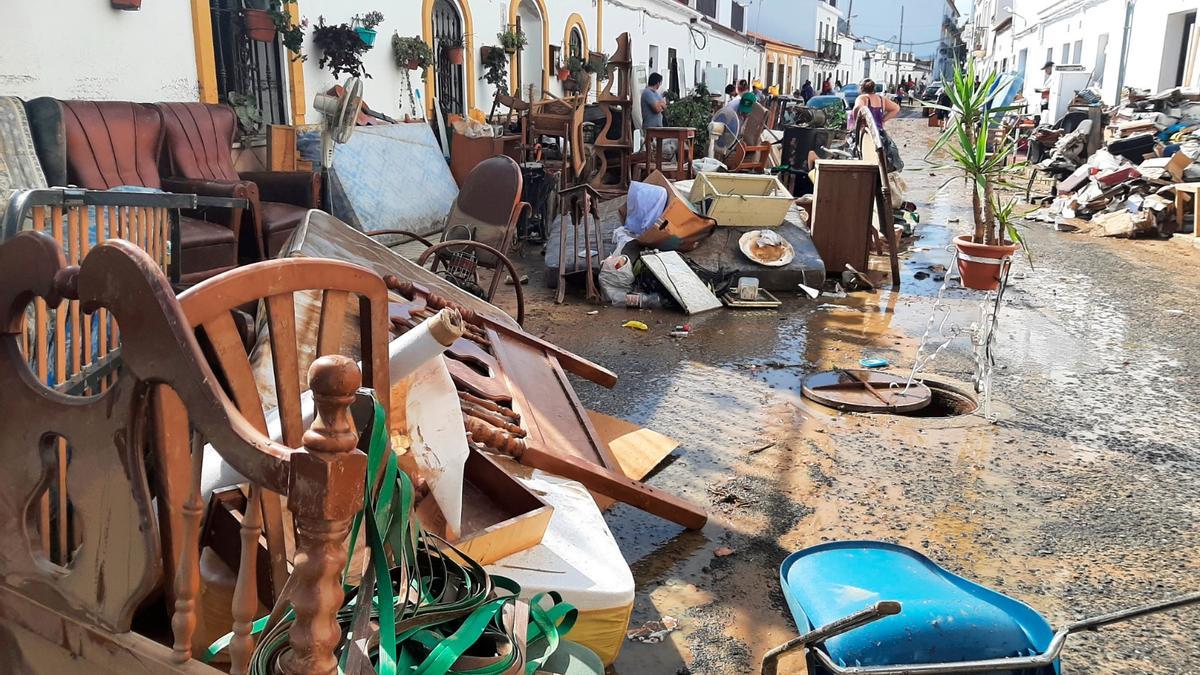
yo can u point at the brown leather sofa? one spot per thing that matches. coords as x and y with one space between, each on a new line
199 151
101 145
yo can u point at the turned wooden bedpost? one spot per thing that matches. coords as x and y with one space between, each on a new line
326 490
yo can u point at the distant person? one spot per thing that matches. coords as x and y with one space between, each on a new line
733 116
1047 70
837 86
882 109
742 87
653 103
806 92
730 92
944 101
826 87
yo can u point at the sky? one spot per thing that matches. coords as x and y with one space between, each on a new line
880 19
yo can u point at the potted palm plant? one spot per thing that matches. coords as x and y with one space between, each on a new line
454 48
982 160
512 39
365 26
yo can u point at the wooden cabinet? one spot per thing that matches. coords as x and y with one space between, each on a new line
842 211
466 153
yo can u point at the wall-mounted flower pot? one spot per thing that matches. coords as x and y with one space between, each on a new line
259 25
129 5
367 35
980 264
456 55
413 64
563 74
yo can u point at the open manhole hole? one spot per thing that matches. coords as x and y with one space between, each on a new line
871 391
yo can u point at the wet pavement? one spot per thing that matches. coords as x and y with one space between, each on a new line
1079 499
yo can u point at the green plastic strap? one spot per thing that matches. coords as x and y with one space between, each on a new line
451 648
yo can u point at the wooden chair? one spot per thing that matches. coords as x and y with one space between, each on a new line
479 231
209 308
76 618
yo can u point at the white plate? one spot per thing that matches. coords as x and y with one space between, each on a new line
750 237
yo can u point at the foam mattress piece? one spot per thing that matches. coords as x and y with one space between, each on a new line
387 177
579 558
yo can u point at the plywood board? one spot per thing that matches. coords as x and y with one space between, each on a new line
680 281
638 450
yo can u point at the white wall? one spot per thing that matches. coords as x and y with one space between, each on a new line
84 49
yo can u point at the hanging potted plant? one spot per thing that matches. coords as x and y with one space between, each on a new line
575 68
341 48
563 72
597 64
365 26
965 139
495 68
411 53
257 20
512 39
454 49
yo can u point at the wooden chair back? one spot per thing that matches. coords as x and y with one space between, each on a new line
281 286
81 612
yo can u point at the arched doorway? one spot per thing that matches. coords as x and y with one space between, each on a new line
531 71
449 79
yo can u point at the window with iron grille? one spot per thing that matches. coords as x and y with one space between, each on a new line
249 68
737 18
707 7
447 25
575 48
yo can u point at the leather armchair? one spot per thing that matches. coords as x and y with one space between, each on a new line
199 140
100 145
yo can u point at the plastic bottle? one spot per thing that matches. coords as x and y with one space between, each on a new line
640 301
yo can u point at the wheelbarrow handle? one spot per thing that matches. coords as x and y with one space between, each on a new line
1125 614
770 662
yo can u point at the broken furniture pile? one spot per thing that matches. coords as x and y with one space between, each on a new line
1141 181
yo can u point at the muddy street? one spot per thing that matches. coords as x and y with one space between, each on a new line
1079 499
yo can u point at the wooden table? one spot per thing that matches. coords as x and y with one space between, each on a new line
655 137
466 153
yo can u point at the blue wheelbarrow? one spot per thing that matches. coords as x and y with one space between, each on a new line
874 608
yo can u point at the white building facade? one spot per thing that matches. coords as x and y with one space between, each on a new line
1147 44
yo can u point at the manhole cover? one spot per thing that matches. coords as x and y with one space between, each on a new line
866 391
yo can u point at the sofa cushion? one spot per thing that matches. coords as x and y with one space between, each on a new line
279 220
111 143
205 246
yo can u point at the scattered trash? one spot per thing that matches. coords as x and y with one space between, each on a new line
636 325
953 219
723 552
811 292
653 632
681 331
920 275
755 451
594 312
1174 311
873 362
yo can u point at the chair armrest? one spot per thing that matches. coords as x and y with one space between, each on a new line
231 218
300 188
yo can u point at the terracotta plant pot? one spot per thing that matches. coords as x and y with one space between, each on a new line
259 25
978 272
131 5
367 35
413 64
456 55
563 74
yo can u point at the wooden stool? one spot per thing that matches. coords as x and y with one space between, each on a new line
683 136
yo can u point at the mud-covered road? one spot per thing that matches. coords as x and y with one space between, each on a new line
1081 498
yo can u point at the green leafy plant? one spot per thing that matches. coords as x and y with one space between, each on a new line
597 63
369 20
693 110
245 106
1004 213
411 53
977 156
495 69
452 42
341 48
512 39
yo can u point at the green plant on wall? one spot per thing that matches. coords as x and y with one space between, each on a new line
411 53
693 110
495 69
341 48
249 117
512 40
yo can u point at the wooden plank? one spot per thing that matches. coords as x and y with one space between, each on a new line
550 415
681 282
333 322
843 202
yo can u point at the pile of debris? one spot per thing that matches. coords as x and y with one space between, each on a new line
1136 185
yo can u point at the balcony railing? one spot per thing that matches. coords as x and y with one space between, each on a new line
829 50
